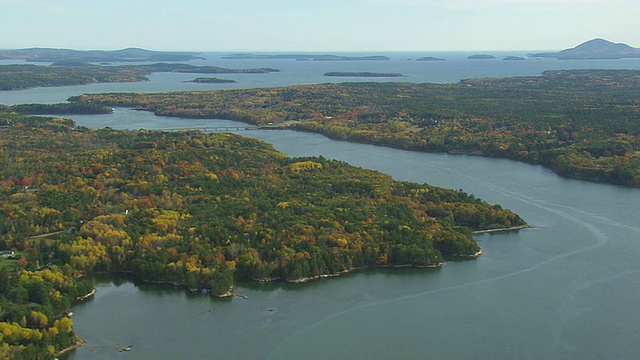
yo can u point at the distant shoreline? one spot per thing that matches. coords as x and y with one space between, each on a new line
299 57
362 74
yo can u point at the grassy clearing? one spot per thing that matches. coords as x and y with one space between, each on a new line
10 264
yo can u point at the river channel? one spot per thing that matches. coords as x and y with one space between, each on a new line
567 289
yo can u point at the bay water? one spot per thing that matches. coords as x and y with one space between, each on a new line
567 289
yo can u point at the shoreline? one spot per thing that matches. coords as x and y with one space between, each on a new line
467 257
513 228
307 279
86 296
476 152
78 344
293 125
303 280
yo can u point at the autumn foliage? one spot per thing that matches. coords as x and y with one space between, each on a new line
198 210
580 123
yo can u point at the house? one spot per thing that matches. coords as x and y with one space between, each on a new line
7 254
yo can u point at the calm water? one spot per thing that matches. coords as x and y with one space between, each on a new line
455 68
569 288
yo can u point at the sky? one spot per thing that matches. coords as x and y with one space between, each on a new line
317 25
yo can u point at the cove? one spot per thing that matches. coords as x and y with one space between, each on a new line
564 289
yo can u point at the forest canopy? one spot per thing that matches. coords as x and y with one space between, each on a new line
153 191
198 210
22 76
580 123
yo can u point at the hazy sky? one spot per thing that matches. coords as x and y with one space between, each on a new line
317 25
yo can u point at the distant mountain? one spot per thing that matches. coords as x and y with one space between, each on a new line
94 56
594 49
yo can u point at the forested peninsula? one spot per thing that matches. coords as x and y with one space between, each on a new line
197 210
22 76
579 123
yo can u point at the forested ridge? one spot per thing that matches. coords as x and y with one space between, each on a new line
198 210
580 123
97 56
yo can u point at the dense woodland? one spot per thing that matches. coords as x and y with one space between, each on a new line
198 210
13 77
580 123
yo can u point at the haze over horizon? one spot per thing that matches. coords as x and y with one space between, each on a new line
312 26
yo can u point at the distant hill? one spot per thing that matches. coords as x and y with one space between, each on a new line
481 57
429 58
95 56
594 49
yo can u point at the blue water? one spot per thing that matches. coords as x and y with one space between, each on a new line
456 67
567 289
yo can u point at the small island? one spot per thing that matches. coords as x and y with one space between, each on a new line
516 58
429 58
481 57
210 80
362 74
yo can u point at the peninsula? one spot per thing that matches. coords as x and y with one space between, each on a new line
199 211
553 127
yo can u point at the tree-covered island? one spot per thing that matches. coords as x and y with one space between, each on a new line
21 76
580 123
430 58
481 57
210 80
197 210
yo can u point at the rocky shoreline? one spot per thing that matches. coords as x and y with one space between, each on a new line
86 296
514 228
77 345
306 279
231 292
